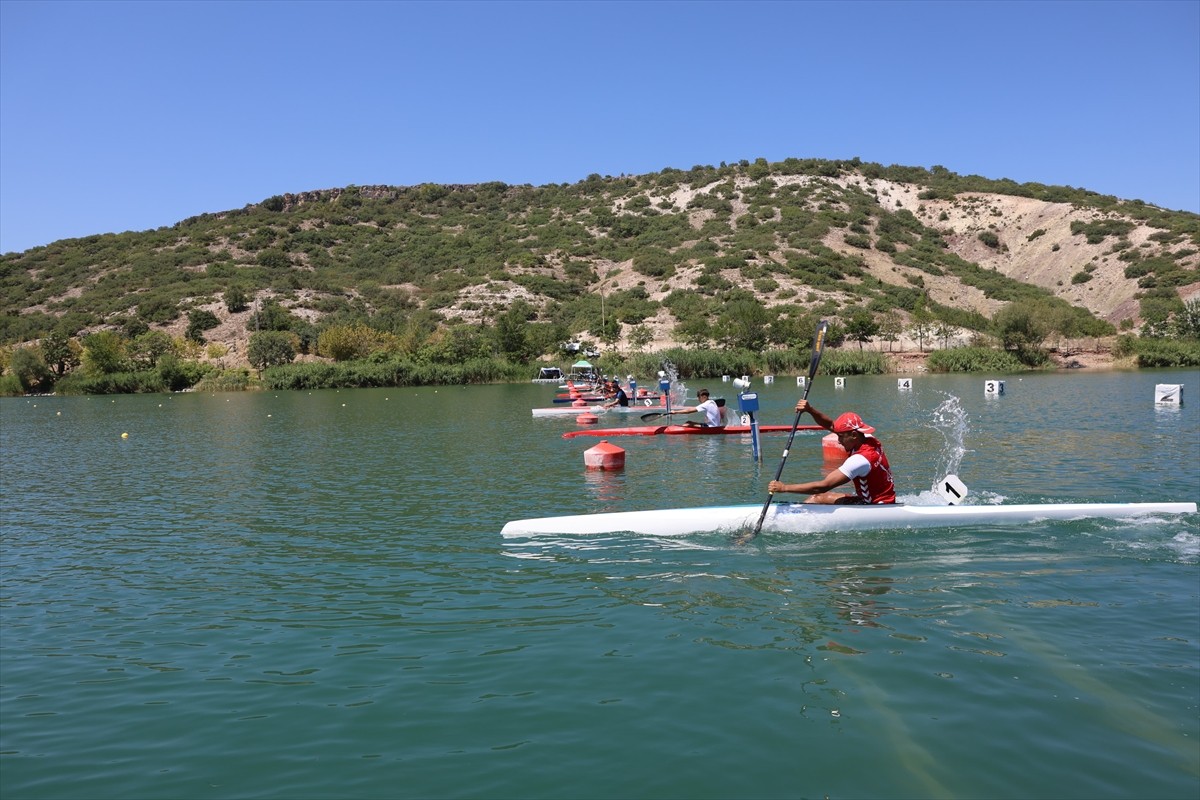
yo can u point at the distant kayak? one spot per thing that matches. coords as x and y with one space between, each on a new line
685 430
592 397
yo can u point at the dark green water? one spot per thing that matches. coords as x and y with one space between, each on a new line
302 595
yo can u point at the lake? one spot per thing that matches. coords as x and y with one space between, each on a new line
306 595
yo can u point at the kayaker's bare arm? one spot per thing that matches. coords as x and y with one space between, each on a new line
832 480
818 417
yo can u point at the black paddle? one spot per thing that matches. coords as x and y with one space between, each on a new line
818 346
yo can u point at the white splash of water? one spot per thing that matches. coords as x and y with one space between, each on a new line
679 390
951 421
1187 545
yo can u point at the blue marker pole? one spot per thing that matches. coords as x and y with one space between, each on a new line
664 385
748 404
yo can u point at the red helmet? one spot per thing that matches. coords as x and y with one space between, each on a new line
851 422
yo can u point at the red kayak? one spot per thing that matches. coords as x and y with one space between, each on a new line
685 430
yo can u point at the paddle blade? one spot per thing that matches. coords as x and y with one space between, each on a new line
818 348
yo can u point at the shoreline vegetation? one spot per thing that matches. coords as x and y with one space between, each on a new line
383 370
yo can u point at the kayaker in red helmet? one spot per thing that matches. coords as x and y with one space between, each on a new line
867 465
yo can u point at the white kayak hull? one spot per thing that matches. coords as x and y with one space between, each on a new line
808 518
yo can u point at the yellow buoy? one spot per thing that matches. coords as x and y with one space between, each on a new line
124 435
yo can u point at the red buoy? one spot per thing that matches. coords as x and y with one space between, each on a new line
604 456
832 449
587 419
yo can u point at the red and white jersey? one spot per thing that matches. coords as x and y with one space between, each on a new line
872 475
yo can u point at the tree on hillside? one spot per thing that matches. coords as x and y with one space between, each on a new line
60 352
177 374
418 329
30 368
922 325
546 337
511 339
742 324
236 299
862 327
611 332
146 350
945 332
790 329
348 342
459 344
1187 322
271 348
1020 328
891 327
103 353
693 331
271 316
639 337
199 321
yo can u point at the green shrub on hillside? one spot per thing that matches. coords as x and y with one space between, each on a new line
199 321
1097 231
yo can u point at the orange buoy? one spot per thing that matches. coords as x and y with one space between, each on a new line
587 419
604 456
579 403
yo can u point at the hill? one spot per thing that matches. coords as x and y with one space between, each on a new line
701 256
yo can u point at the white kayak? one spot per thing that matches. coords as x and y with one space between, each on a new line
807 518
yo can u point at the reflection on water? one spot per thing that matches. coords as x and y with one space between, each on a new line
857 594
606 488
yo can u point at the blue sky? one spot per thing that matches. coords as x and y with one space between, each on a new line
120 116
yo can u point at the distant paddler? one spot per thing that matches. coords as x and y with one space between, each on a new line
616 395
710 409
